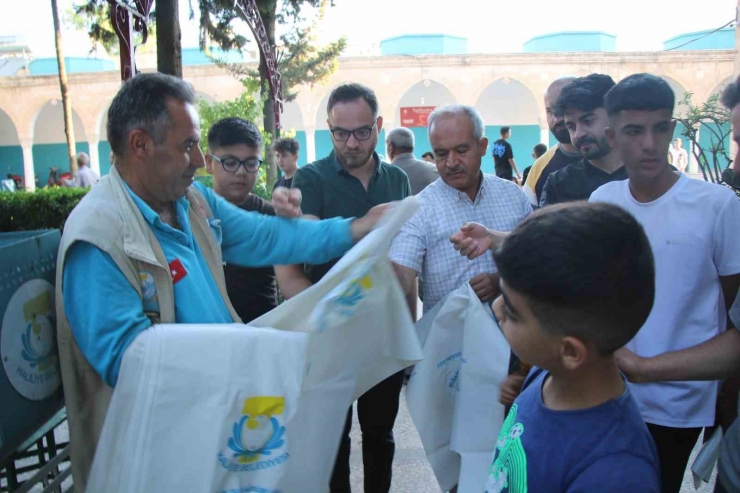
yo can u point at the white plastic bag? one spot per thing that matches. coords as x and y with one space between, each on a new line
453 392
170 430
201 408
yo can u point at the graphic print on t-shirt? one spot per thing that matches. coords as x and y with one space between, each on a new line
509 470
499 149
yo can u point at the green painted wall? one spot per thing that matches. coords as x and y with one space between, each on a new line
104 156
47 155
707 139
300 136
523 139
11 160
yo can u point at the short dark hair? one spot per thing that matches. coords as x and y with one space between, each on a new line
731 94
540 149
584 94
141 103
505 130
234 131
640 92
287 145
428 153
595 280
352 91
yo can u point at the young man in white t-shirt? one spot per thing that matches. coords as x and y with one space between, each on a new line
692 228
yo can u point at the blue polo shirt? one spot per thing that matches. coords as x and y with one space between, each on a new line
105 312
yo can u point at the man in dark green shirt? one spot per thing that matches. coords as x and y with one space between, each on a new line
348 183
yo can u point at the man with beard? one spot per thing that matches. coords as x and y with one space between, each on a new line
558 156
581 104
347 183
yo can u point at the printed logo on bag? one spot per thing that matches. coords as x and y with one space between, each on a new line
450 368
340 304
257 440
28 341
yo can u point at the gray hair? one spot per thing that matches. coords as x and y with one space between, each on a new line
141 104
83 159
479 128
401 138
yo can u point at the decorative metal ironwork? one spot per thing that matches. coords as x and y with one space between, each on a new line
247 10
127 20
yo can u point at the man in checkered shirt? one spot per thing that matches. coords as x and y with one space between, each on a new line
464 194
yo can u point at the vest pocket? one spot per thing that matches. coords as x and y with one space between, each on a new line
215 225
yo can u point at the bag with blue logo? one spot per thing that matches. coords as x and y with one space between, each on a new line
201 408
258 408
453 392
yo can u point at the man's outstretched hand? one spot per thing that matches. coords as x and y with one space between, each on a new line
362 226
287 202
474 239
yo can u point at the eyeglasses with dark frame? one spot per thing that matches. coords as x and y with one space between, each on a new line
361 134
231 165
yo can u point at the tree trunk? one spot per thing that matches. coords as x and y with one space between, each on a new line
66 100
267 12
169 51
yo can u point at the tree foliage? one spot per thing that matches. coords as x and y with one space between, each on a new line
713 118
300 59
94 17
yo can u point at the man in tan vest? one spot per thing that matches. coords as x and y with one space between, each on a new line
147 246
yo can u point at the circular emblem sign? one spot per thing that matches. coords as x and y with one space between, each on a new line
28 343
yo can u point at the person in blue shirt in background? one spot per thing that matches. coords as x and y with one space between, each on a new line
575 427
147 245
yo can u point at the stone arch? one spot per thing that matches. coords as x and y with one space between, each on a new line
721 86
322 135
425 94
11 153
292 121
49 141
678 90
508 102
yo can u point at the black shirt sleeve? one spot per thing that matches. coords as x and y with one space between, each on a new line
549 192
509 151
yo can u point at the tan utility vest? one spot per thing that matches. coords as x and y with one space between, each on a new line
109 219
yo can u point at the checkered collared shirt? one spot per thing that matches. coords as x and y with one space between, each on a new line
423 244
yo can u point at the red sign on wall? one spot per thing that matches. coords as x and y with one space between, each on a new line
415 116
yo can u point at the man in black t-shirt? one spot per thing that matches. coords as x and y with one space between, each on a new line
234 160
503 157
581 103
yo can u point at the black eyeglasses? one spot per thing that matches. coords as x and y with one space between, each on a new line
362 133
230 164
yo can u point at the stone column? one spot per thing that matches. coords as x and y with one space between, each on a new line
29 176
545 135
92 142
693 166
310 143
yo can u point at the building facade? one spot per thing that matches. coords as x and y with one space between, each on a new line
507 89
